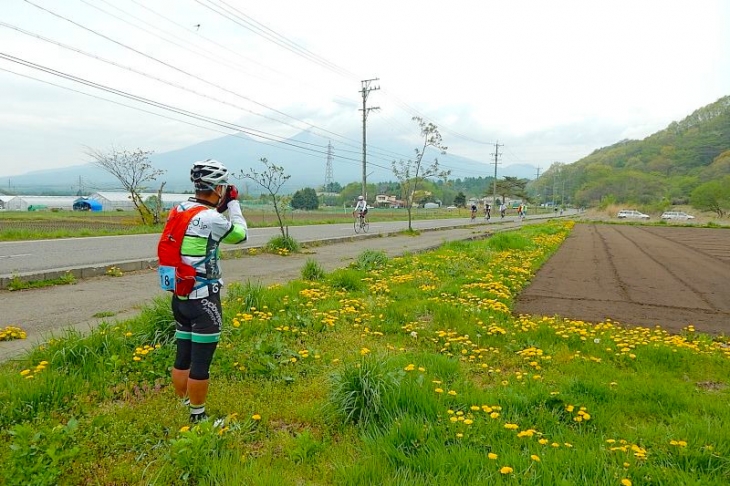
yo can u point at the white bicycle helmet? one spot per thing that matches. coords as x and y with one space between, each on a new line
208 174
360 198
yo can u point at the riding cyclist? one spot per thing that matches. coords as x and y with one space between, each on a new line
473 211
361 208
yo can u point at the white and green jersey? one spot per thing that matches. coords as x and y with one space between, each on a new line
200 245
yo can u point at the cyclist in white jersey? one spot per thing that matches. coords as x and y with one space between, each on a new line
199 315
361 208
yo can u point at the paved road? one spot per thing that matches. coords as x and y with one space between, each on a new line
42 259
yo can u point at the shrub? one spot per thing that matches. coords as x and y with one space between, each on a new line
278 243
361 390
508 241
347 279
370 260
312 270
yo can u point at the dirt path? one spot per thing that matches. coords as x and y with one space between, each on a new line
637 275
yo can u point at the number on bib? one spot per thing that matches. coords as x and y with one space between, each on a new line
167 277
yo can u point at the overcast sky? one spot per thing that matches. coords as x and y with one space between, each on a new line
551 80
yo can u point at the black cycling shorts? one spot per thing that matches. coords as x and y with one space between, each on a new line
198 320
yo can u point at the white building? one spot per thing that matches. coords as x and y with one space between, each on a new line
4 201
29 203
122 201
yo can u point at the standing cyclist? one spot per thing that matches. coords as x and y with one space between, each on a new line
361 208
199 315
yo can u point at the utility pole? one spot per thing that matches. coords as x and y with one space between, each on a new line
366 89
537 176
496 162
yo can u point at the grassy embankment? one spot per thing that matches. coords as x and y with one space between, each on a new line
409 370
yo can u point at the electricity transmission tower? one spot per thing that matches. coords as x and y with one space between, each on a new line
328 169
366 89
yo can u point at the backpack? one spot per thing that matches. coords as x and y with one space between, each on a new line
176 276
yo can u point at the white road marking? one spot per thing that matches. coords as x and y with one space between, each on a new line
17 255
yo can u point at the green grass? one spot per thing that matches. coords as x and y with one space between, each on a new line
16 283
408 370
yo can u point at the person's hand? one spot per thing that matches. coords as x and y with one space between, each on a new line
230 195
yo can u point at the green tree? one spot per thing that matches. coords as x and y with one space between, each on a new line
305 199
713 196
271 179
460 200
411 172
349 193
512 186
333 187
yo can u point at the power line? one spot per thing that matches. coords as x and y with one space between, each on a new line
376 152
248 23
341 101
181 111
121 44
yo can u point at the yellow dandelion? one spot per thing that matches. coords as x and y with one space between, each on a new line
256 417
626 482
492 456
184 429
535 458
439 390
506 470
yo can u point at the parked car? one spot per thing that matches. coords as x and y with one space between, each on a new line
676 215
451 207
632 214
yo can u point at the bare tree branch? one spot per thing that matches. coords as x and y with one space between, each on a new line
410 173
132 170
271 179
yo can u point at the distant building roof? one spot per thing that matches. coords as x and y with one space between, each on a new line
124 196
49 201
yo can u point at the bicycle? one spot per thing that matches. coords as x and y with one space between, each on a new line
361 223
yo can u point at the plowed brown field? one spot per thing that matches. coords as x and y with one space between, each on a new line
637 275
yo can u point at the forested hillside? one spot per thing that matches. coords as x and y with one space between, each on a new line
662 169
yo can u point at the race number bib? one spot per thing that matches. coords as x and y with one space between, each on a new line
167 277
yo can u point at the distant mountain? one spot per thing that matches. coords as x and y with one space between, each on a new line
304 157
664 167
